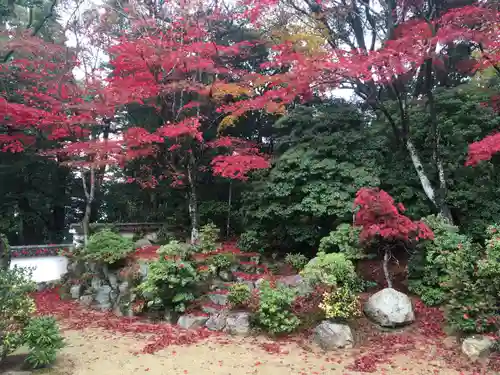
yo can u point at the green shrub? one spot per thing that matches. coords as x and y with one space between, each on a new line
274 313
172 284
175 249
107 246
428 266
43 339
239 294
250 241
5 255
345 240
342 303
333 270
474 287
221 262
16 307
208 237
296 261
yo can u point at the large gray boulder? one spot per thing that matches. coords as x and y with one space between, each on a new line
390 308
329 335
103 298
478 346
238 323
191 321
217 321
143 242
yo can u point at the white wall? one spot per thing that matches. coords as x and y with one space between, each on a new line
46 268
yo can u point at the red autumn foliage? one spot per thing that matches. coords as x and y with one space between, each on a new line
379 217
75 316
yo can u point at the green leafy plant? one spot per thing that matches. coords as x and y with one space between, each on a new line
296 261
473 292
208 237
4 252
16 307
250 241
107 247
175 249
171 284
43 339
344 239
221 262
274 312
428 266
341 303
239 294
333 270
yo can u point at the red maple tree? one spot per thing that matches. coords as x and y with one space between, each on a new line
383 221
173 66
388 55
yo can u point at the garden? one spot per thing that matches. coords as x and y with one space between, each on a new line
266 186
220 295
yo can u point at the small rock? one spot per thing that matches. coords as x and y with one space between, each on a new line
476 347
86 300
40 287
170 316
291 281
329 335
143 269
390 308
238 323
143 242
190 321
217 321
123 287
218 299
153 237
258 282
75 291
226 275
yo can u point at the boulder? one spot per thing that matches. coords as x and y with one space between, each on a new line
390 308
86 300
76 291
291 281
329 335
226 275
218 299
191 321
103 297
124 287
143 242
113 280
217 321
477 346
238 323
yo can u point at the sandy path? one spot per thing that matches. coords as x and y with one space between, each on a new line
92 352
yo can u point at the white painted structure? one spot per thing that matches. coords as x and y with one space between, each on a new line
45 268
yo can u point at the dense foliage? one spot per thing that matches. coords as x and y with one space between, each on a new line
43 339
107 246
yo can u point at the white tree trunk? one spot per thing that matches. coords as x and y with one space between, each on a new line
424 180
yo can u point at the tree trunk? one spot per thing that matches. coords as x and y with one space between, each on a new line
229 202
429 190
385 265
89 198
193 206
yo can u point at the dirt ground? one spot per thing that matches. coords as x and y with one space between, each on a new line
95 352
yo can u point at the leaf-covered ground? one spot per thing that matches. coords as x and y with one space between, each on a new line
99 343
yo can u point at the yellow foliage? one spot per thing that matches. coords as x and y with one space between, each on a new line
223 89
227 122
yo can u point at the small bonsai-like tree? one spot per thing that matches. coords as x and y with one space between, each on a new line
382 220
